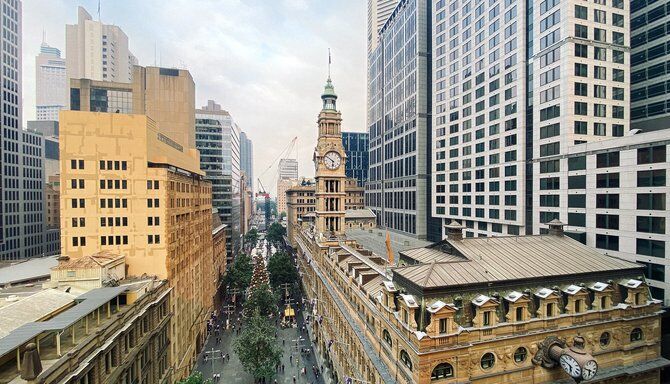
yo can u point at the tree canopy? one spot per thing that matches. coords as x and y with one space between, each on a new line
239 275
261 300
251 238
275 233
282 270
195 378
257 347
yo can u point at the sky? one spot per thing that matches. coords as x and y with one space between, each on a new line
265 61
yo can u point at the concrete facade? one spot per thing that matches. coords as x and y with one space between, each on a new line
97 51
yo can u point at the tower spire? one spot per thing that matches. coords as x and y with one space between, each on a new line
329 62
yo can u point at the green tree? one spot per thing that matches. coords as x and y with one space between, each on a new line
275 233
282 270
257 347
239 275
251 238
195 378
261 300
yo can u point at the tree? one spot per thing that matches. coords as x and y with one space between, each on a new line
239 275
195 378
261 300
275 233
282 270
257 347
251 238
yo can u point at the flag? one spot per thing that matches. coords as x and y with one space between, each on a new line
389 250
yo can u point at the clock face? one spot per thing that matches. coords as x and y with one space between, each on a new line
332 160
571 366
590 370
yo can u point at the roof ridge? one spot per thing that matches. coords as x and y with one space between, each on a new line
430 271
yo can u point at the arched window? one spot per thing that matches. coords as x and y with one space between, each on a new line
387 338
488 360
404 358
442 371
636 335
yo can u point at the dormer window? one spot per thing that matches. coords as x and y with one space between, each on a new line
519 314
578 306
550 309
486 319
485 311
405 316
603 302
638 298
443 325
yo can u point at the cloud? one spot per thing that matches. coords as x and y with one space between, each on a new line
263 61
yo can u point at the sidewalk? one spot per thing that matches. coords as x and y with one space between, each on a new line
232 371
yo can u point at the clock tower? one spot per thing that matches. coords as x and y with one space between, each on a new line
329 160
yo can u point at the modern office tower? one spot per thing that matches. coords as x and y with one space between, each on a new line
284 185
614 197
51 83
287 169
97 51
165 94
356 147
129 189
399 122
650 65
514 84
247 160
22 193
378 12
49 131
218 140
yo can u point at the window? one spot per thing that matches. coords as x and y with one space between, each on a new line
387 338
577 201
609 159
608 242
577 219
600 91
581 89
599 16
576 163
404 358
607 221
581 70
442 371
581 31
550 130
652 178
581 12
581 50
607 180
581 108
648 247
604 200
577 182
581 128
520 355
488 360
578 306
605 338
519 313
651 155
617 75
653 271
636 335
651 201
550 309
651 224
443 325
599 73
486 318
599 110
617 57
599 34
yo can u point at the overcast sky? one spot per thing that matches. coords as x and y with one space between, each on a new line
265 61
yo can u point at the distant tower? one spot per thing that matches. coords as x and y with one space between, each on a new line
329 160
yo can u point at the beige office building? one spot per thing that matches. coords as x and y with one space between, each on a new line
283 186
97 51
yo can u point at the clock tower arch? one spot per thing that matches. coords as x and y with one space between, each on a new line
329 160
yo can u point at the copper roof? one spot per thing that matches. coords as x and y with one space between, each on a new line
493 259
96 260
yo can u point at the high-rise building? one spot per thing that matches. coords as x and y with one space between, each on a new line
356 146
218 140
130 188
287 169
399 124
51 83
22 180
97 51
378 12
49 131
284 185
650 65
247 160
515 84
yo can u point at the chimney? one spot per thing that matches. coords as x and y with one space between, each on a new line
454 231
31 366
555 227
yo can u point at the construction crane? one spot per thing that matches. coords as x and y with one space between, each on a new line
285 152
266 195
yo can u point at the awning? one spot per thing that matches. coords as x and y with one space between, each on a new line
289 312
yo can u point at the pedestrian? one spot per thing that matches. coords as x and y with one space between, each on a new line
294 379
290 358
282 368
283 342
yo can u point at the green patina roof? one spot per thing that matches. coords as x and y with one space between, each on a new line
329 90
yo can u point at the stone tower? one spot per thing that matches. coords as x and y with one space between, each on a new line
329 160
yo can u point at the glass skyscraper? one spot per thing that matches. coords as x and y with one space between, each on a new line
356 146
